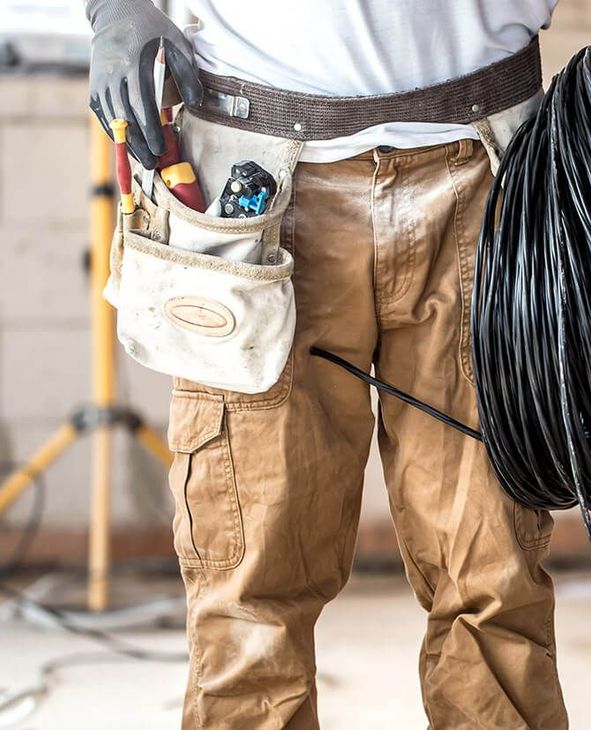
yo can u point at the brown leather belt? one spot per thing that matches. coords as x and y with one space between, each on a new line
281 113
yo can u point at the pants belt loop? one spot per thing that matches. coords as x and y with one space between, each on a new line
464 153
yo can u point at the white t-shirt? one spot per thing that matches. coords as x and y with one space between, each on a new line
361 47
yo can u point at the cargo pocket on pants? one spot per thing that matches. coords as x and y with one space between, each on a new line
533 527
207 526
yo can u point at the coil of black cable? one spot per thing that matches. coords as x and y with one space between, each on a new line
531 304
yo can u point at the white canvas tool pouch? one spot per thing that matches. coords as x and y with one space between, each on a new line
201 297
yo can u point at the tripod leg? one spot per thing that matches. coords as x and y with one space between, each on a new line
152 442
20 479
99 548
103 368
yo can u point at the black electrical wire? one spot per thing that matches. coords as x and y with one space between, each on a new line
531 307
531 303
391 390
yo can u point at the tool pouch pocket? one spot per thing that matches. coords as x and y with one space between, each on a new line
201 297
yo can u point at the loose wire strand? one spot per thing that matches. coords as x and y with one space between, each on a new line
396 392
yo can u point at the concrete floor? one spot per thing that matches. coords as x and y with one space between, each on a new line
367 646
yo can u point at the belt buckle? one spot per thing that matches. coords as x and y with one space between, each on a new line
232 106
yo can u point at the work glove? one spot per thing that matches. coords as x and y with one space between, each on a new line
126 40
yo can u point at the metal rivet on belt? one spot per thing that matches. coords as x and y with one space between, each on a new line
271 258
297 126
475 107
242 107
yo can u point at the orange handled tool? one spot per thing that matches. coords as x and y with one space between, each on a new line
177 175
123 167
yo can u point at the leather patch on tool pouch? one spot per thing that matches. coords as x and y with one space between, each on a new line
204 316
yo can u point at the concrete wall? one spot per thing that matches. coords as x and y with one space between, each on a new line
44 320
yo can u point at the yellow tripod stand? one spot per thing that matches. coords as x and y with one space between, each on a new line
103 413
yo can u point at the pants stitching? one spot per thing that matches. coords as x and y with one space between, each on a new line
372 197
463 273
196 669
407 269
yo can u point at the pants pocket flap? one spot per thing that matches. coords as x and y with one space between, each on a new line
195 419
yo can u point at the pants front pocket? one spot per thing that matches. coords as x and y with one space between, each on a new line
208 530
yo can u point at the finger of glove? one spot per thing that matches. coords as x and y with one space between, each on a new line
96 107
104 99
186 76
142 95
136 138
116 104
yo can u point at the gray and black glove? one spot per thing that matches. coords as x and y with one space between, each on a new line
126 40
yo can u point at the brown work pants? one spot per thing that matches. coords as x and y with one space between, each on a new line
268 486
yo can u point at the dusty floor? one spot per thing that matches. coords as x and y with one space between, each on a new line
367 641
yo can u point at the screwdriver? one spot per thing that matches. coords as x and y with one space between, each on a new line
123 166
178 175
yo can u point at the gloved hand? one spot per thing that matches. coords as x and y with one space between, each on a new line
126 40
